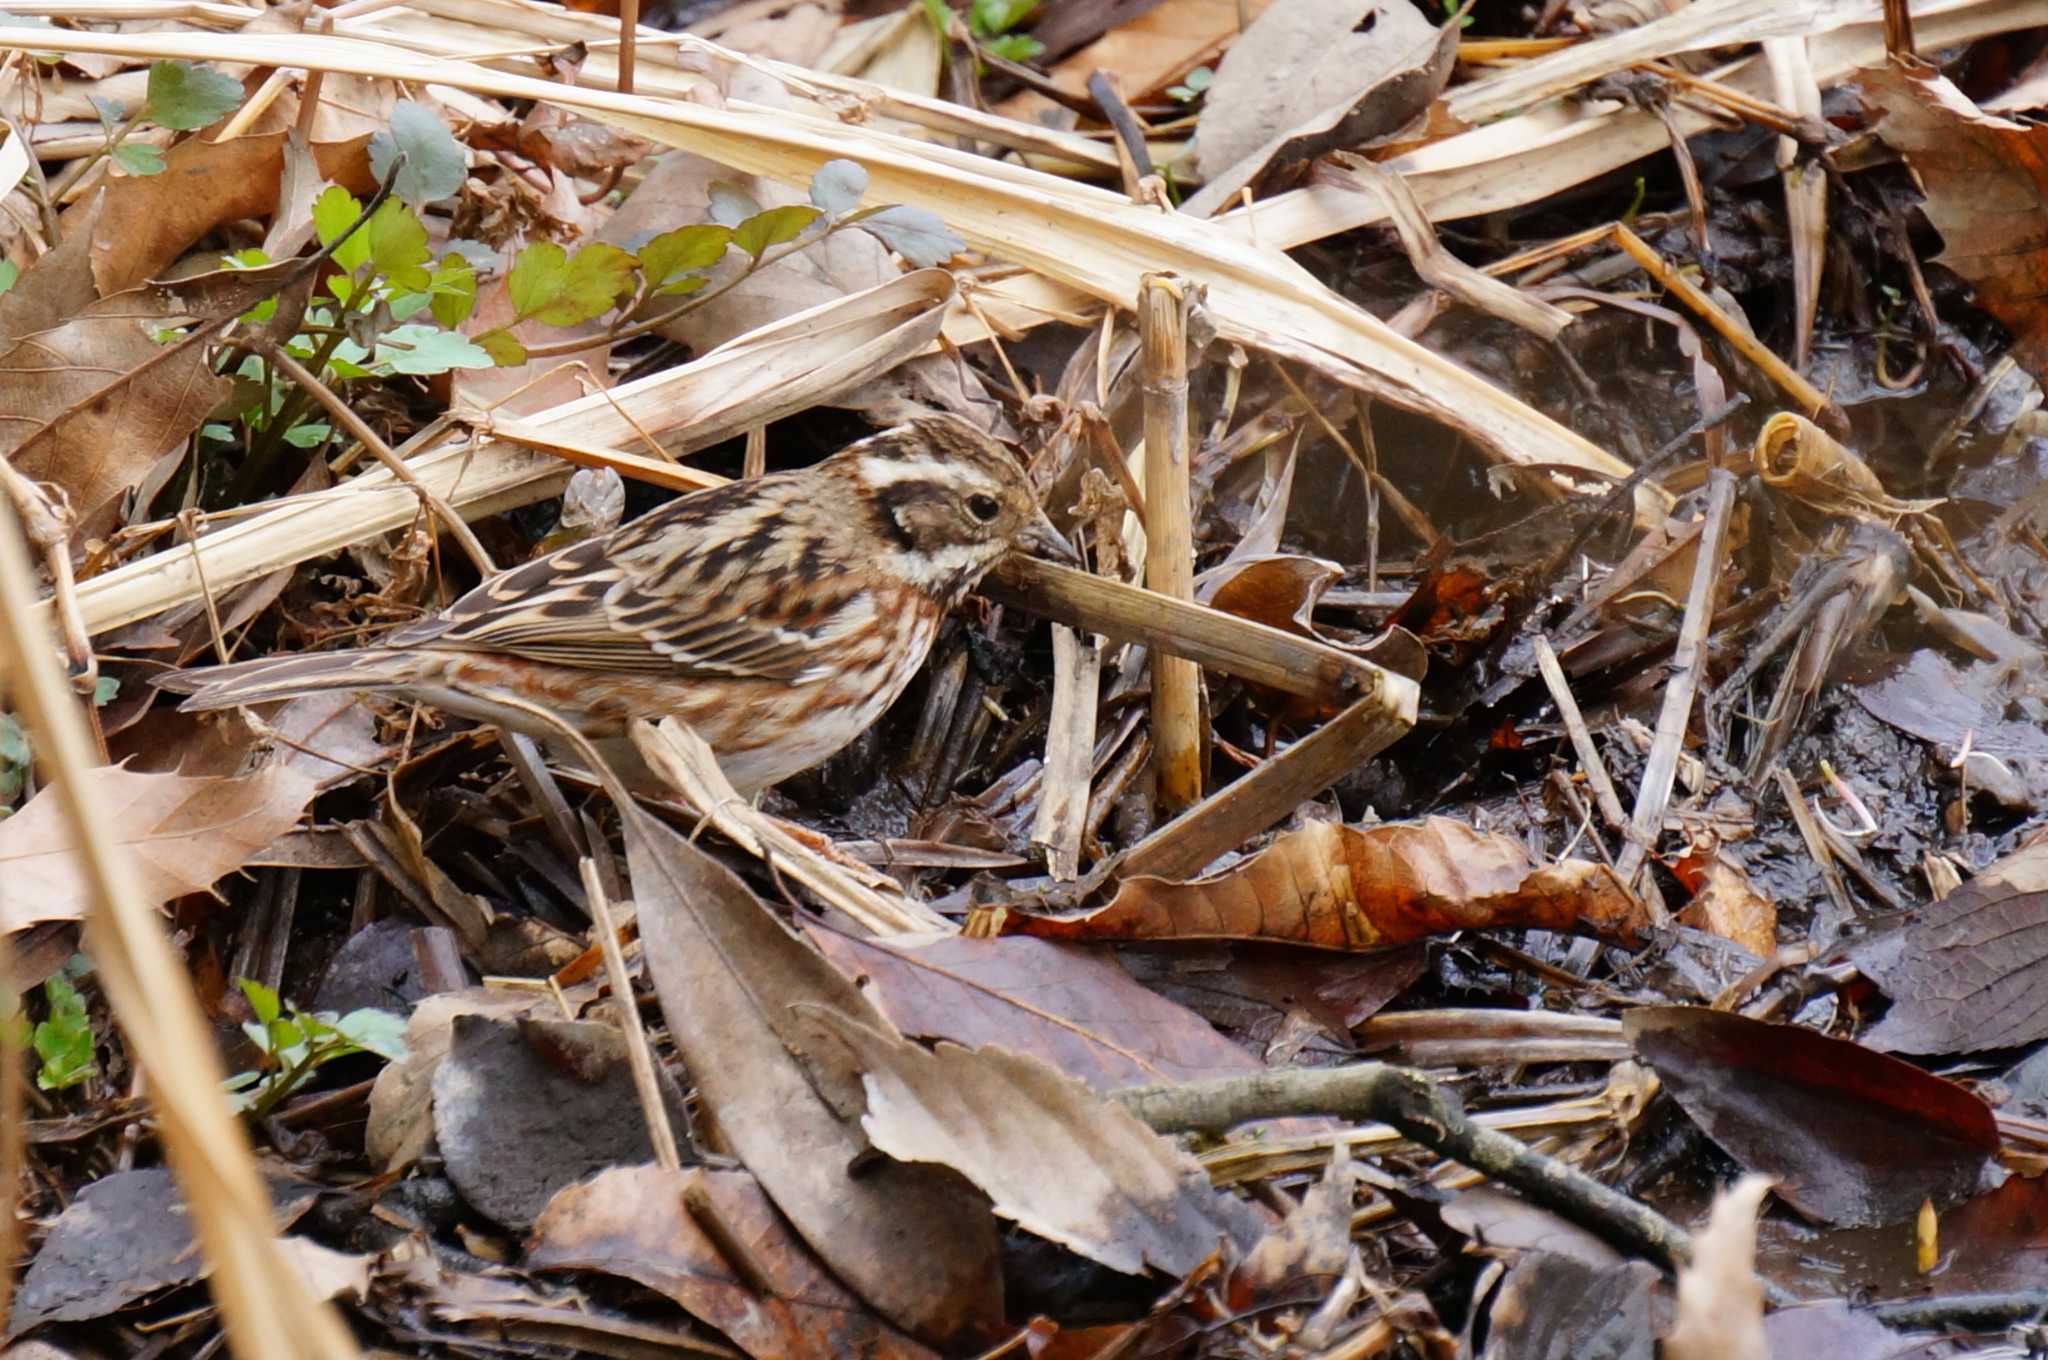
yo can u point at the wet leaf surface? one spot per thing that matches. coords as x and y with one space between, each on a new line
1849 1135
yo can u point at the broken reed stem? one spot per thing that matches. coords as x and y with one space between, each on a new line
1811 399
1069 752
1653 795
1163 305
639 1055
456 527
1608 801
1430 1116
268 1311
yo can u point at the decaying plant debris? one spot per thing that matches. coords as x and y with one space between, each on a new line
1524 840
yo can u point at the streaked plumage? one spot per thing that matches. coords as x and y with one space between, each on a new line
779 617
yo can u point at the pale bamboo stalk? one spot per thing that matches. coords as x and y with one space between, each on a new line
1163 305
263 1299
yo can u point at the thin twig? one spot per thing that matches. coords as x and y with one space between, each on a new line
1582 740
1422 1111
639 1056
457 527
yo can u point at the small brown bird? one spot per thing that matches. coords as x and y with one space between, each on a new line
778 617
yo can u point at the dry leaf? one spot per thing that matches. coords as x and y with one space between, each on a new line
1065 1163
729 973
1986 181
632 1221
1720 1298
1728 904
1343 887
183 833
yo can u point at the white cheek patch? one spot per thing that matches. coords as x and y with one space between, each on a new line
936 571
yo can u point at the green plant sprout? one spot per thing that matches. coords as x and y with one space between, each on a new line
1194 86
989 23
181 96
295 1044
64 1042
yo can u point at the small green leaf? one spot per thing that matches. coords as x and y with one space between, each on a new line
64 1041
139 160
310 435
110 113
428 349
453 289
379 1032
333 213
683 286
504 349
730 204
9 272
551 286
838 185
398 246
187 97
538 276
1014 46
262 1001
434 161
919 236
772 228
1000 16
685 248
104 688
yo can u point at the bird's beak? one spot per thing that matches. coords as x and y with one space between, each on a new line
1041 539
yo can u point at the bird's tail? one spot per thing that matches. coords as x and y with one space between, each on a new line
291 677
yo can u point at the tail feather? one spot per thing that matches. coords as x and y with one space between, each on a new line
290 677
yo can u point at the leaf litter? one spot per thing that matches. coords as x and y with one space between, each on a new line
1616 609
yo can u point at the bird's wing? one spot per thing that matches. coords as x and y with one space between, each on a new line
690 590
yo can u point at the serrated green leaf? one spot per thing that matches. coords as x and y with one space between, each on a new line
263 1001
434 161
333 212
504 349
598 277
682 287
917 235
453 290
730 204
398 246
423 350
772 228
538 276
63 1042
685 248
838 185
187 97
139 159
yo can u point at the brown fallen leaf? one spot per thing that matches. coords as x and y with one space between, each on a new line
1066 1164
1728 904
916 1243
1335 886
1850 1135
1077 1010
1967 973
1987 189
183 833
632 1221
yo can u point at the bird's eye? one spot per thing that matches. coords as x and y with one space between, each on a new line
983 508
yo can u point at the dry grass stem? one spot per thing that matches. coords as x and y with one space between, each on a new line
1177 735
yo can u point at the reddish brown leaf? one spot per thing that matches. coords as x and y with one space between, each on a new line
632 1221
183 833
1850 1135
1987 194
1343 887
1969 972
